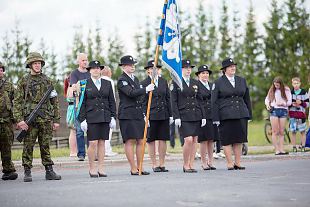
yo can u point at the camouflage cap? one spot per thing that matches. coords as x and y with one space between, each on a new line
2 66
33 57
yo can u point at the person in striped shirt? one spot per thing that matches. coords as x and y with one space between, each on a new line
297 113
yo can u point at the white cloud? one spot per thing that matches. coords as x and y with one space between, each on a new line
54 20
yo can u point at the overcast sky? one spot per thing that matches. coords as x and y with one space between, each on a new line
54 20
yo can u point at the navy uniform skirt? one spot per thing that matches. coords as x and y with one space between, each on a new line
131 128
233 131
98 131
189 128
208 132
158 130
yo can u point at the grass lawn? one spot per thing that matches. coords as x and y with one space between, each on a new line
256 137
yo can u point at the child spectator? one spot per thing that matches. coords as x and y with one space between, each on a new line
297 113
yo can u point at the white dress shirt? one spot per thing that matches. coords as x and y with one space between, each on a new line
97 83
205 84
232 80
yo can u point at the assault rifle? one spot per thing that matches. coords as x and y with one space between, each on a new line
33 115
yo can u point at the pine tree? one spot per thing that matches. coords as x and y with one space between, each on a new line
252 69
225 50
274 42
99 45
18 70
7 56
236 39
43 49
212 45
296 36
187 37
115 52
148 48
54 71
90 46
138 39
201 34
76 48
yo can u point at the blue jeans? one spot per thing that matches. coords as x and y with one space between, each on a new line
80 141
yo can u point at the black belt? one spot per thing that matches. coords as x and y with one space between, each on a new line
71 103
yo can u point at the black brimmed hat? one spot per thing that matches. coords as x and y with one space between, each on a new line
227 62
203 68
187 64
127 60
94 64
150 64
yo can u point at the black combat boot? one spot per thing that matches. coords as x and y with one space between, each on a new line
9 176
50 173
27 173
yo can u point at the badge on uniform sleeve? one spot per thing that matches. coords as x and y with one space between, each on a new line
124 83
213 87
141 86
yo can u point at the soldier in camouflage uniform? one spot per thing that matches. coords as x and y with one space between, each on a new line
6 126
30 90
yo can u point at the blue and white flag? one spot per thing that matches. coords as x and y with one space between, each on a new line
170 40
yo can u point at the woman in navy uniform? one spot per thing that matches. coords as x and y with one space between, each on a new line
131 112
188 114
160 117
209 132
231 108
97 115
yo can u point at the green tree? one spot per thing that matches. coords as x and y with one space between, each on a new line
202 36
225 48
54 72
187 36
274 42
99 44
7 56
90 46
18 54
212 45
296 44
115 52
252 68
237 38
76 48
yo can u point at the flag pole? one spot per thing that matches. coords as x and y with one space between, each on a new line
147 116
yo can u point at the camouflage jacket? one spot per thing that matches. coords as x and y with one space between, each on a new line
6 101
35 86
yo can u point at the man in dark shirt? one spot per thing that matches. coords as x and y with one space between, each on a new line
81 73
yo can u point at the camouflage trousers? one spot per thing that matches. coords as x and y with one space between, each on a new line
6 141
44 133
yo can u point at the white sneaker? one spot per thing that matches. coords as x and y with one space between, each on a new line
220 154
111 154
197 155
215 156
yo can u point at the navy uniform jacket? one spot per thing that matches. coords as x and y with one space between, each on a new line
206 99
160 105
98 106
229 102
186 104
131 96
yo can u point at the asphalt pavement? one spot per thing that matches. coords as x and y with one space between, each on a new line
268 180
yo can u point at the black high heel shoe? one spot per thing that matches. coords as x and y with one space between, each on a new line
93 175
134 173
189 170
211 167
102 175
163 169
239 167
